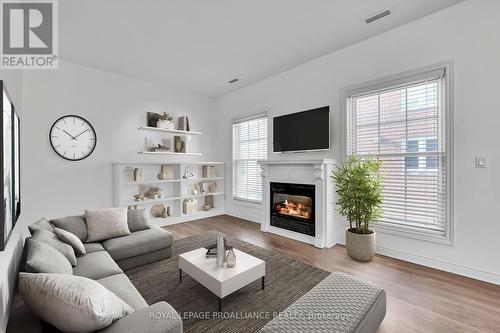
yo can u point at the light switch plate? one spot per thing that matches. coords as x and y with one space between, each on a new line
480 162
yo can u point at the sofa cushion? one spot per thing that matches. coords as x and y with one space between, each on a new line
40 224
96 265
121 286
160 317
51 239
136 219
71 303
74 224
93 247
43 258
70 239
138 243
106 223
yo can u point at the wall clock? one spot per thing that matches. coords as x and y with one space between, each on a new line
72 137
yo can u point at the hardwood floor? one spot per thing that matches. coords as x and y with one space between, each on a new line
419 299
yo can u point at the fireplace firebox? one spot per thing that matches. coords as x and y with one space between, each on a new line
292 207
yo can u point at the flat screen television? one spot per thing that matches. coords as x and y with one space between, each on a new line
302 131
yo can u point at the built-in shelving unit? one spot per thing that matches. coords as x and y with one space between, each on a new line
176 189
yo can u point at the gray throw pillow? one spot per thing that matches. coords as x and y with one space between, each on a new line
71 303
40 224
106 223
70 239
136 219
43 258
51 239
74 224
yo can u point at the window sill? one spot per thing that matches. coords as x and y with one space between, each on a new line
247 202
409 232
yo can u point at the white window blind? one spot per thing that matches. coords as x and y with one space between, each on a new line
249 145
403 125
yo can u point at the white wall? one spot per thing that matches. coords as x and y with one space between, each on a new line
9 258
116 106
468 35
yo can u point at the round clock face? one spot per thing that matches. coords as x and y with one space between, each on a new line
72 137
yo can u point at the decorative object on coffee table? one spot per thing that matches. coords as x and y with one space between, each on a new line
221 251
231 257
359 197
206 208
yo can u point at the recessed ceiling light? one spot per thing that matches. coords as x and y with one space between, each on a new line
233 81
377 16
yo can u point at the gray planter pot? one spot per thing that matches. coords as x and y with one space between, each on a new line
360 247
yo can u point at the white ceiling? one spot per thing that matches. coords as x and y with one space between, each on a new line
199 45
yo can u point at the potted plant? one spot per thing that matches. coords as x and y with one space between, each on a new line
359 197
165 121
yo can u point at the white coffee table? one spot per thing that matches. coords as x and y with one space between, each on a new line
222 281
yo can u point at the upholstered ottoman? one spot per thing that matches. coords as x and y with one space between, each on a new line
339 303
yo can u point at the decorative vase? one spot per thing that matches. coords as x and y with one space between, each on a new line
165 124
231 257
221 251
360 247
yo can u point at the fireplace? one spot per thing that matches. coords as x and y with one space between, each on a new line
292 207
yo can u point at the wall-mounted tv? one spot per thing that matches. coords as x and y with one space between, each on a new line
302 131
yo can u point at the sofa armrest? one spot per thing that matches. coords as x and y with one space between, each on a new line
157 318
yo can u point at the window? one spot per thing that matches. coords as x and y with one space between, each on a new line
403 123
249 145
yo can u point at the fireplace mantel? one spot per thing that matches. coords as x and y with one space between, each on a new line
313 172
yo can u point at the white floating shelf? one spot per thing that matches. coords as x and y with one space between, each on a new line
154 181
150 201
170 131
192 196
201 179
168 153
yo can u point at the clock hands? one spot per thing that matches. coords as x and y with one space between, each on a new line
72 137
82 133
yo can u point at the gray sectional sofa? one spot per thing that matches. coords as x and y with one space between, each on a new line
105 262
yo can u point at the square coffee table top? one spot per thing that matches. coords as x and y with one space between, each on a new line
208 265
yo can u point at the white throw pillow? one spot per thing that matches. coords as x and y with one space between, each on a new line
71 303
70 239
106 223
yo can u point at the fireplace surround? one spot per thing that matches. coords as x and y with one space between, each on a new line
308 215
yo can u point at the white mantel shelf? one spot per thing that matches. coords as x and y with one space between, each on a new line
312 172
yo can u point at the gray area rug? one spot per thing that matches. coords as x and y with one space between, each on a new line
246 310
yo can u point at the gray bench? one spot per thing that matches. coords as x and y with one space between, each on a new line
339 303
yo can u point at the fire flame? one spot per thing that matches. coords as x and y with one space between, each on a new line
290 207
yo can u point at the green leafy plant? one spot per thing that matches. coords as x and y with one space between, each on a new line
165 116
359 192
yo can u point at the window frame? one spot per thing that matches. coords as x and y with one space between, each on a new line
404 78
253 116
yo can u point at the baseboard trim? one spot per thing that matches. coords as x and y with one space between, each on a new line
243 216
441 265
